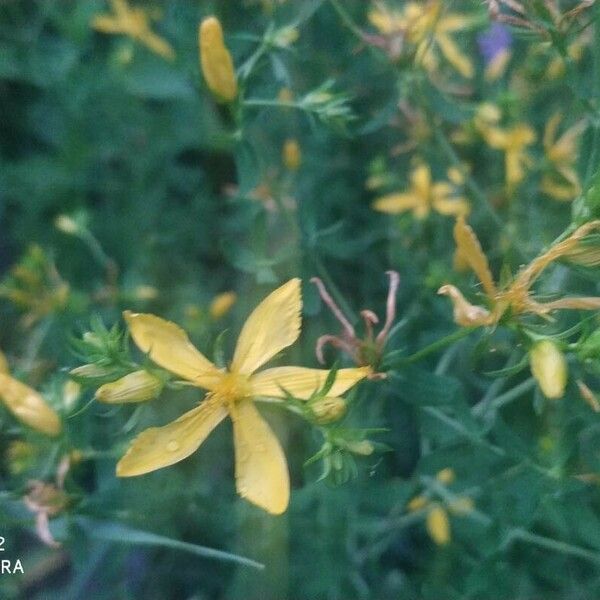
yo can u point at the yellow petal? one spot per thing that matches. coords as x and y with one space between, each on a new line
28 406
273 325
261 472
454 55
455 207
420 180
302 383
470 249
396 203
169 347
160 447
106 24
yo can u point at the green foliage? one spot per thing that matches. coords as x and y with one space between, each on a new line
124 185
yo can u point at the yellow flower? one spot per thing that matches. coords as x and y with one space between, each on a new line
515 296
135 23
427 27
513 142
423 196
562 182
28 406
549 367
438 525
260 465
222 304
216 61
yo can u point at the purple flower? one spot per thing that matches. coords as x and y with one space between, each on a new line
493 41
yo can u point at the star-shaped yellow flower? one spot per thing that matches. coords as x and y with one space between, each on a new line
260 466
515 296
423 196
135 23
562 181
512 141
26 404
427 26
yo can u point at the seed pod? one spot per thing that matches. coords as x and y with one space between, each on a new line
216 61
438 525
328 409
138 386
28 406
549 367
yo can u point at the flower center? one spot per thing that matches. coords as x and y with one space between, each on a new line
233 386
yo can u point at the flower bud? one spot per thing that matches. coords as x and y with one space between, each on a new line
446 476
135 387
438 525
417 503
28 406
222 304
3 363
328 409
66 224
549 367
364 447
90 371
216 61
71 393
292 155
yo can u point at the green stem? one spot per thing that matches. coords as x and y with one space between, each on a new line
394 359
551 544
347 20
502 399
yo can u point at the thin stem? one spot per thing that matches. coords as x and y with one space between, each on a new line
347 20
394 359
551 544
512 394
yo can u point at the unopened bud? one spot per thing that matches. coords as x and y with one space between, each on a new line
90 371
138 386
446 476
28 406
438 525
417 503
364 447
328 409
222 304
71 392
549 367
66 224
216 61
292 155
3 363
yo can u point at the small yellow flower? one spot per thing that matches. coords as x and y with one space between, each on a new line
28 406
260 465
222 304
292 155
428 27
216 61
138 386
133 22
549 367
423 196
515 296
561 182
513 142
438 525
